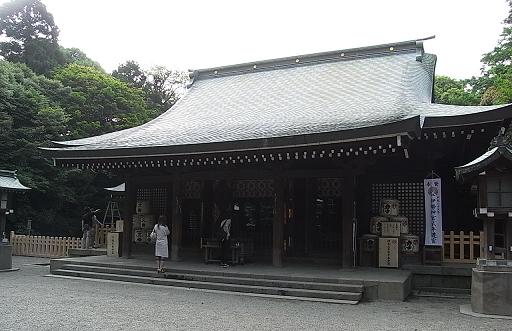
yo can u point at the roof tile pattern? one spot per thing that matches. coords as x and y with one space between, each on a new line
288 101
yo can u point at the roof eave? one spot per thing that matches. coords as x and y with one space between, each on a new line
490 116
408 126
467 171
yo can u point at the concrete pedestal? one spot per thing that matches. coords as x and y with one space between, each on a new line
5 257
491 287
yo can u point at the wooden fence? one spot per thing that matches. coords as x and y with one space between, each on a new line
461 247
42 246
100 234
45 246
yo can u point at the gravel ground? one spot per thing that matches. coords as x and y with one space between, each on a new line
34 302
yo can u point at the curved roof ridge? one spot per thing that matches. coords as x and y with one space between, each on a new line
410 46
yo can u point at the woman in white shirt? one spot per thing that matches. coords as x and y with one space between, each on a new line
161 245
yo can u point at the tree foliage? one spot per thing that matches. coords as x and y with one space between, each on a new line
75 55
30 35
131 73
454 92
100 103
50 93
30 116
162 87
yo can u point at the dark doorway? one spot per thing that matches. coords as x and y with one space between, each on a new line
314 218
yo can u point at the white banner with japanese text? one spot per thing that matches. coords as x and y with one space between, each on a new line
433 212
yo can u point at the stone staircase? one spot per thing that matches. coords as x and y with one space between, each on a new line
270 286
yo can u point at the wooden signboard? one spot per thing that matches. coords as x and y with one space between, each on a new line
113 244
391 229
388 252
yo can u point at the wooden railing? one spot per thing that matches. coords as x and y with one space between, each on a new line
100 234
42 246
461 247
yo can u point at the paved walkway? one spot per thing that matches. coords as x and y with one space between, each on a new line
31 301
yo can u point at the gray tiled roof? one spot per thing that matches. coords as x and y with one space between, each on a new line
484 160
9 181
319 93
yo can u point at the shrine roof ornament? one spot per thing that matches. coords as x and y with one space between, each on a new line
9 181
500 151
119 188
345 95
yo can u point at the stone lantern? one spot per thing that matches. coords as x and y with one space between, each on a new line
9 184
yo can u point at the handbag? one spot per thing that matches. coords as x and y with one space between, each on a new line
152 236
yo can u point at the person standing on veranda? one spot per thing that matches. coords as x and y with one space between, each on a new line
161 244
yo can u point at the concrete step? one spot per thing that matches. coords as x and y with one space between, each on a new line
87 251
191 276
283 292
222 272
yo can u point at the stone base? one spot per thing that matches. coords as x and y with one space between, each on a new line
491 288
8 270
467 310
5 257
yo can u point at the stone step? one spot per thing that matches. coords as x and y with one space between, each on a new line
447 290
191 276
339 297
87 251
230 273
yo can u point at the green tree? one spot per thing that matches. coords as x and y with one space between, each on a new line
131 73
29 35
164 87
31 115
100 103
75 55
454 92
496 80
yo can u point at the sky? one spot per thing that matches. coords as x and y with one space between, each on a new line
193 34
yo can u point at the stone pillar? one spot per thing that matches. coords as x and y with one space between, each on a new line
348 207
278 225
5 257
129 210
177 220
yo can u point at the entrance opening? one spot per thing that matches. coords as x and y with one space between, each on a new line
313 224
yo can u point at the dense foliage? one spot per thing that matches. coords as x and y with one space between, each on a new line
49 93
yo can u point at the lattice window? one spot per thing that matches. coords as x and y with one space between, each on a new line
191 189
157 198
328 187
411 197
254 188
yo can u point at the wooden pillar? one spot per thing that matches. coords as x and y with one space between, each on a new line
278 224
177 220
129 210
308 203
348 207
508 239
208 206
489 238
